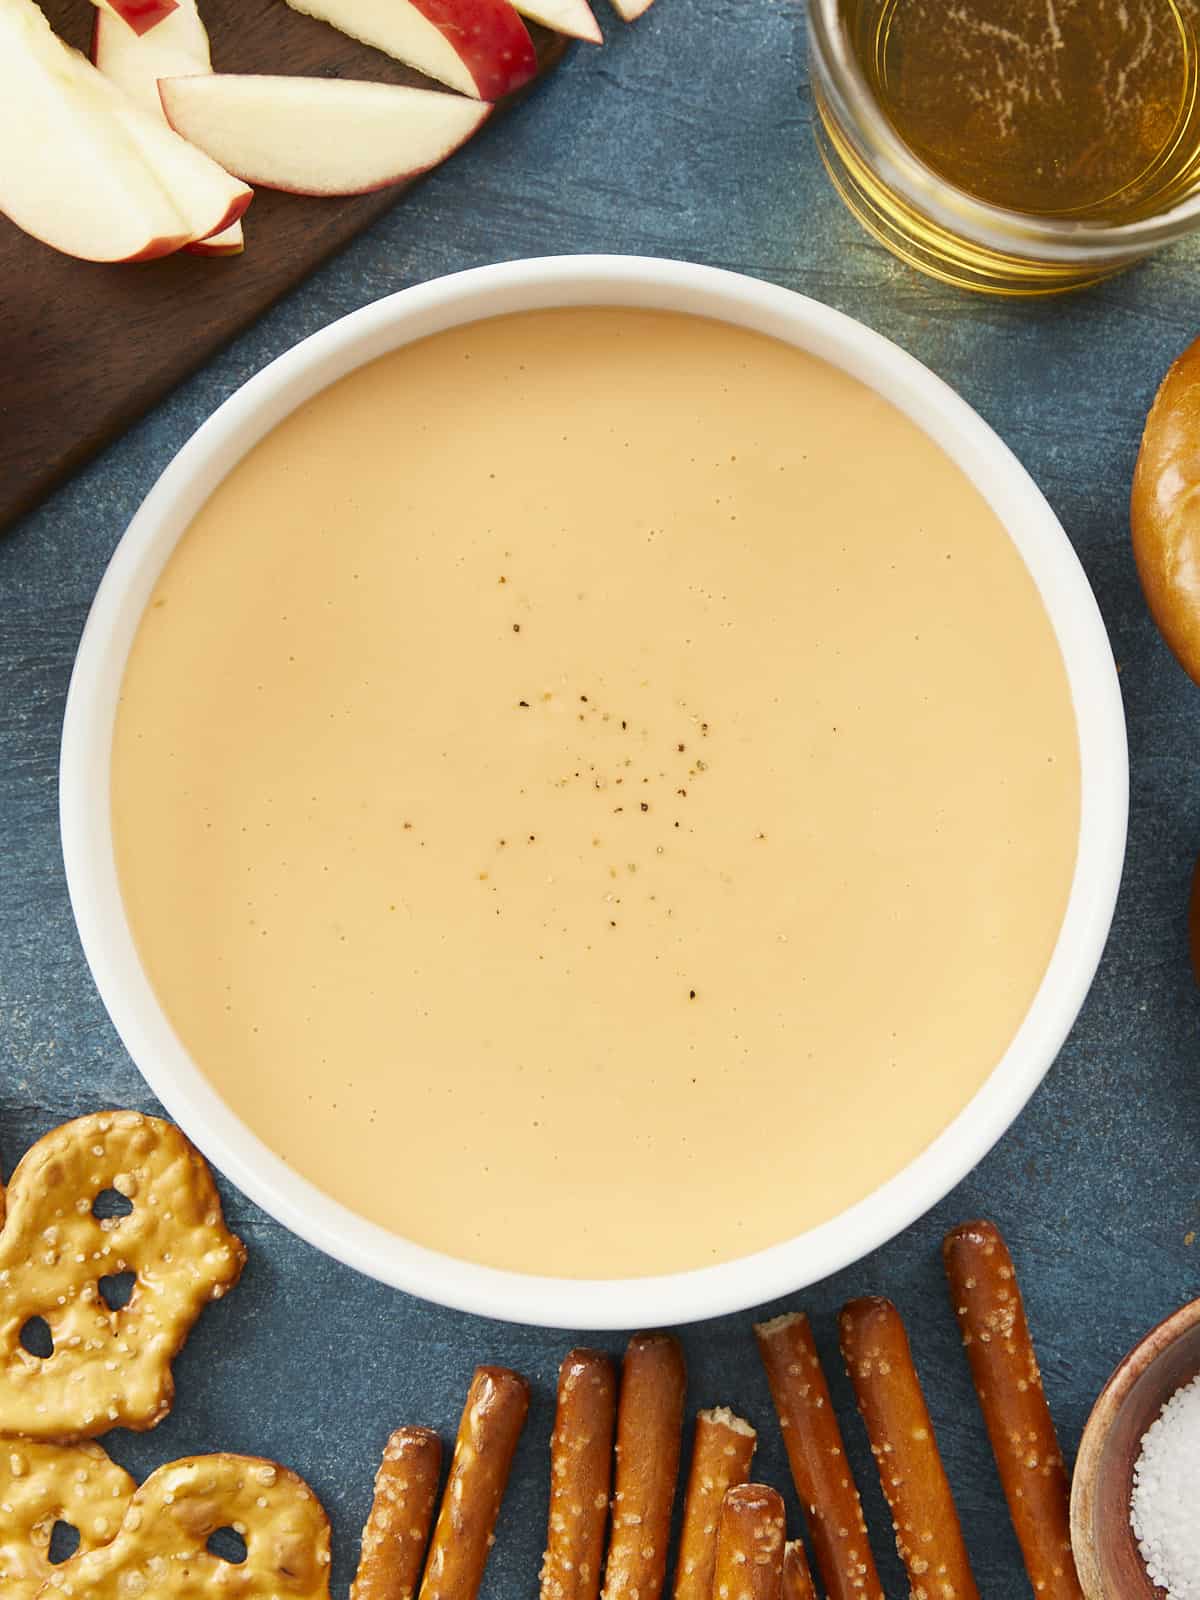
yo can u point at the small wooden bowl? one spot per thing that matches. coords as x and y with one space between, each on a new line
1106 1552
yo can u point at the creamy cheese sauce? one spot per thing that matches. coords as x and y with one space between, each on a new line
596 791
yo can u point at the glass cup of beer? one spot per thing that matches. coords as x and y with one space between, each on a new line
1019 147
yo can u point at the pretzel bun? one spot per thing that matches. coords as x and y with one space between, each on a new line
1164 509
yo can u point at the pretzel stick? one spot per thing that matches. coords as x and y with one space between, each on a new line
928 1536
397 1530
649 1429
721 1455
817 1456
580 1476
797 1579
492 1419
749 1557
987 1303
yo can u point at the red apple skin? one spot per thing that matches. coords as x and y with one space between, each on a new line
141 15
491 39
236 211
157 248
154 250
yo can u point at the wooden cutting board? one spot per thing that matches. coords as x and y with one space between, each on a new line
85 348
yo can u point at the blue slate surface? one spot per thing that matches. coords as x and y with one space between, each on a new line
689 135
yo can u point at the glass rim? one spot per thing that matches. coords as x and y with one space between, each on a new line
1017 233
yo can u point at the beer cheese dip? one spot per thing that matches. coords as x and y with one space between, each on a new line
596 791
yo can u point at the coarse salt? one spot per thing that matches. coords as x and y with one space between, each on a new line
1165 1506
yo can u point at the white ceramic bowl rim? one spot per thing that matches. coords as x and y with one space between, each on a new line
85 770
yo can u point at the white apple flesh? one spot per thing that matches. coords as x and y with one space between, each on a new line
318 136
479 47
85 169
631 10
135 62
574 18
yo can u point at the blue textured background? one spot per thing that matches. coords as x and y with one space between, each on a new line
689 135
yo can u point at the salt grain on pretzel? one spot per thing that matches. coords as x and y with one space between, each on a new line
497 1403
991 1317
41 1484
397 1529
817 1456
108 1368
160 1552
749 1557
928 1536
580 1476
649 1430
797 1578
722 1451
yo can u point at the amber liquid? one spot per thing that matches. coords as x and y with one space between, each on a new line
1083 110
1063 108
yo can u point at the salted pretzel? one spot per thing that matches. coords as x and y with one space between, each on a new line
649 1434
817 1456
492 1419
41 1484
797 1576
580 1476
928 1535
722 1451
108 1368
160 1551
1008 1381
750 1539
397 1529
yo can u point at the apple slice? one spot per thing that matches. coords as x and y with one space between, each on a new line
230 241
319 135
574 18
135 63
480 47
85 169
631 10
139 15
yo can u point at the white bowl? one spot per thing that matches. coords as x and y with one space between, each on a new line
166 513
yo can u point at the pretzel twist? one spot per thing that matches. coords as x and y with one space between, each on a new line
492 1419
580 1476
750 1537
1008 1382
397 1528
108 1368
41 1484
817 1456
649 1436
928 1536
160 1551
722 1451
